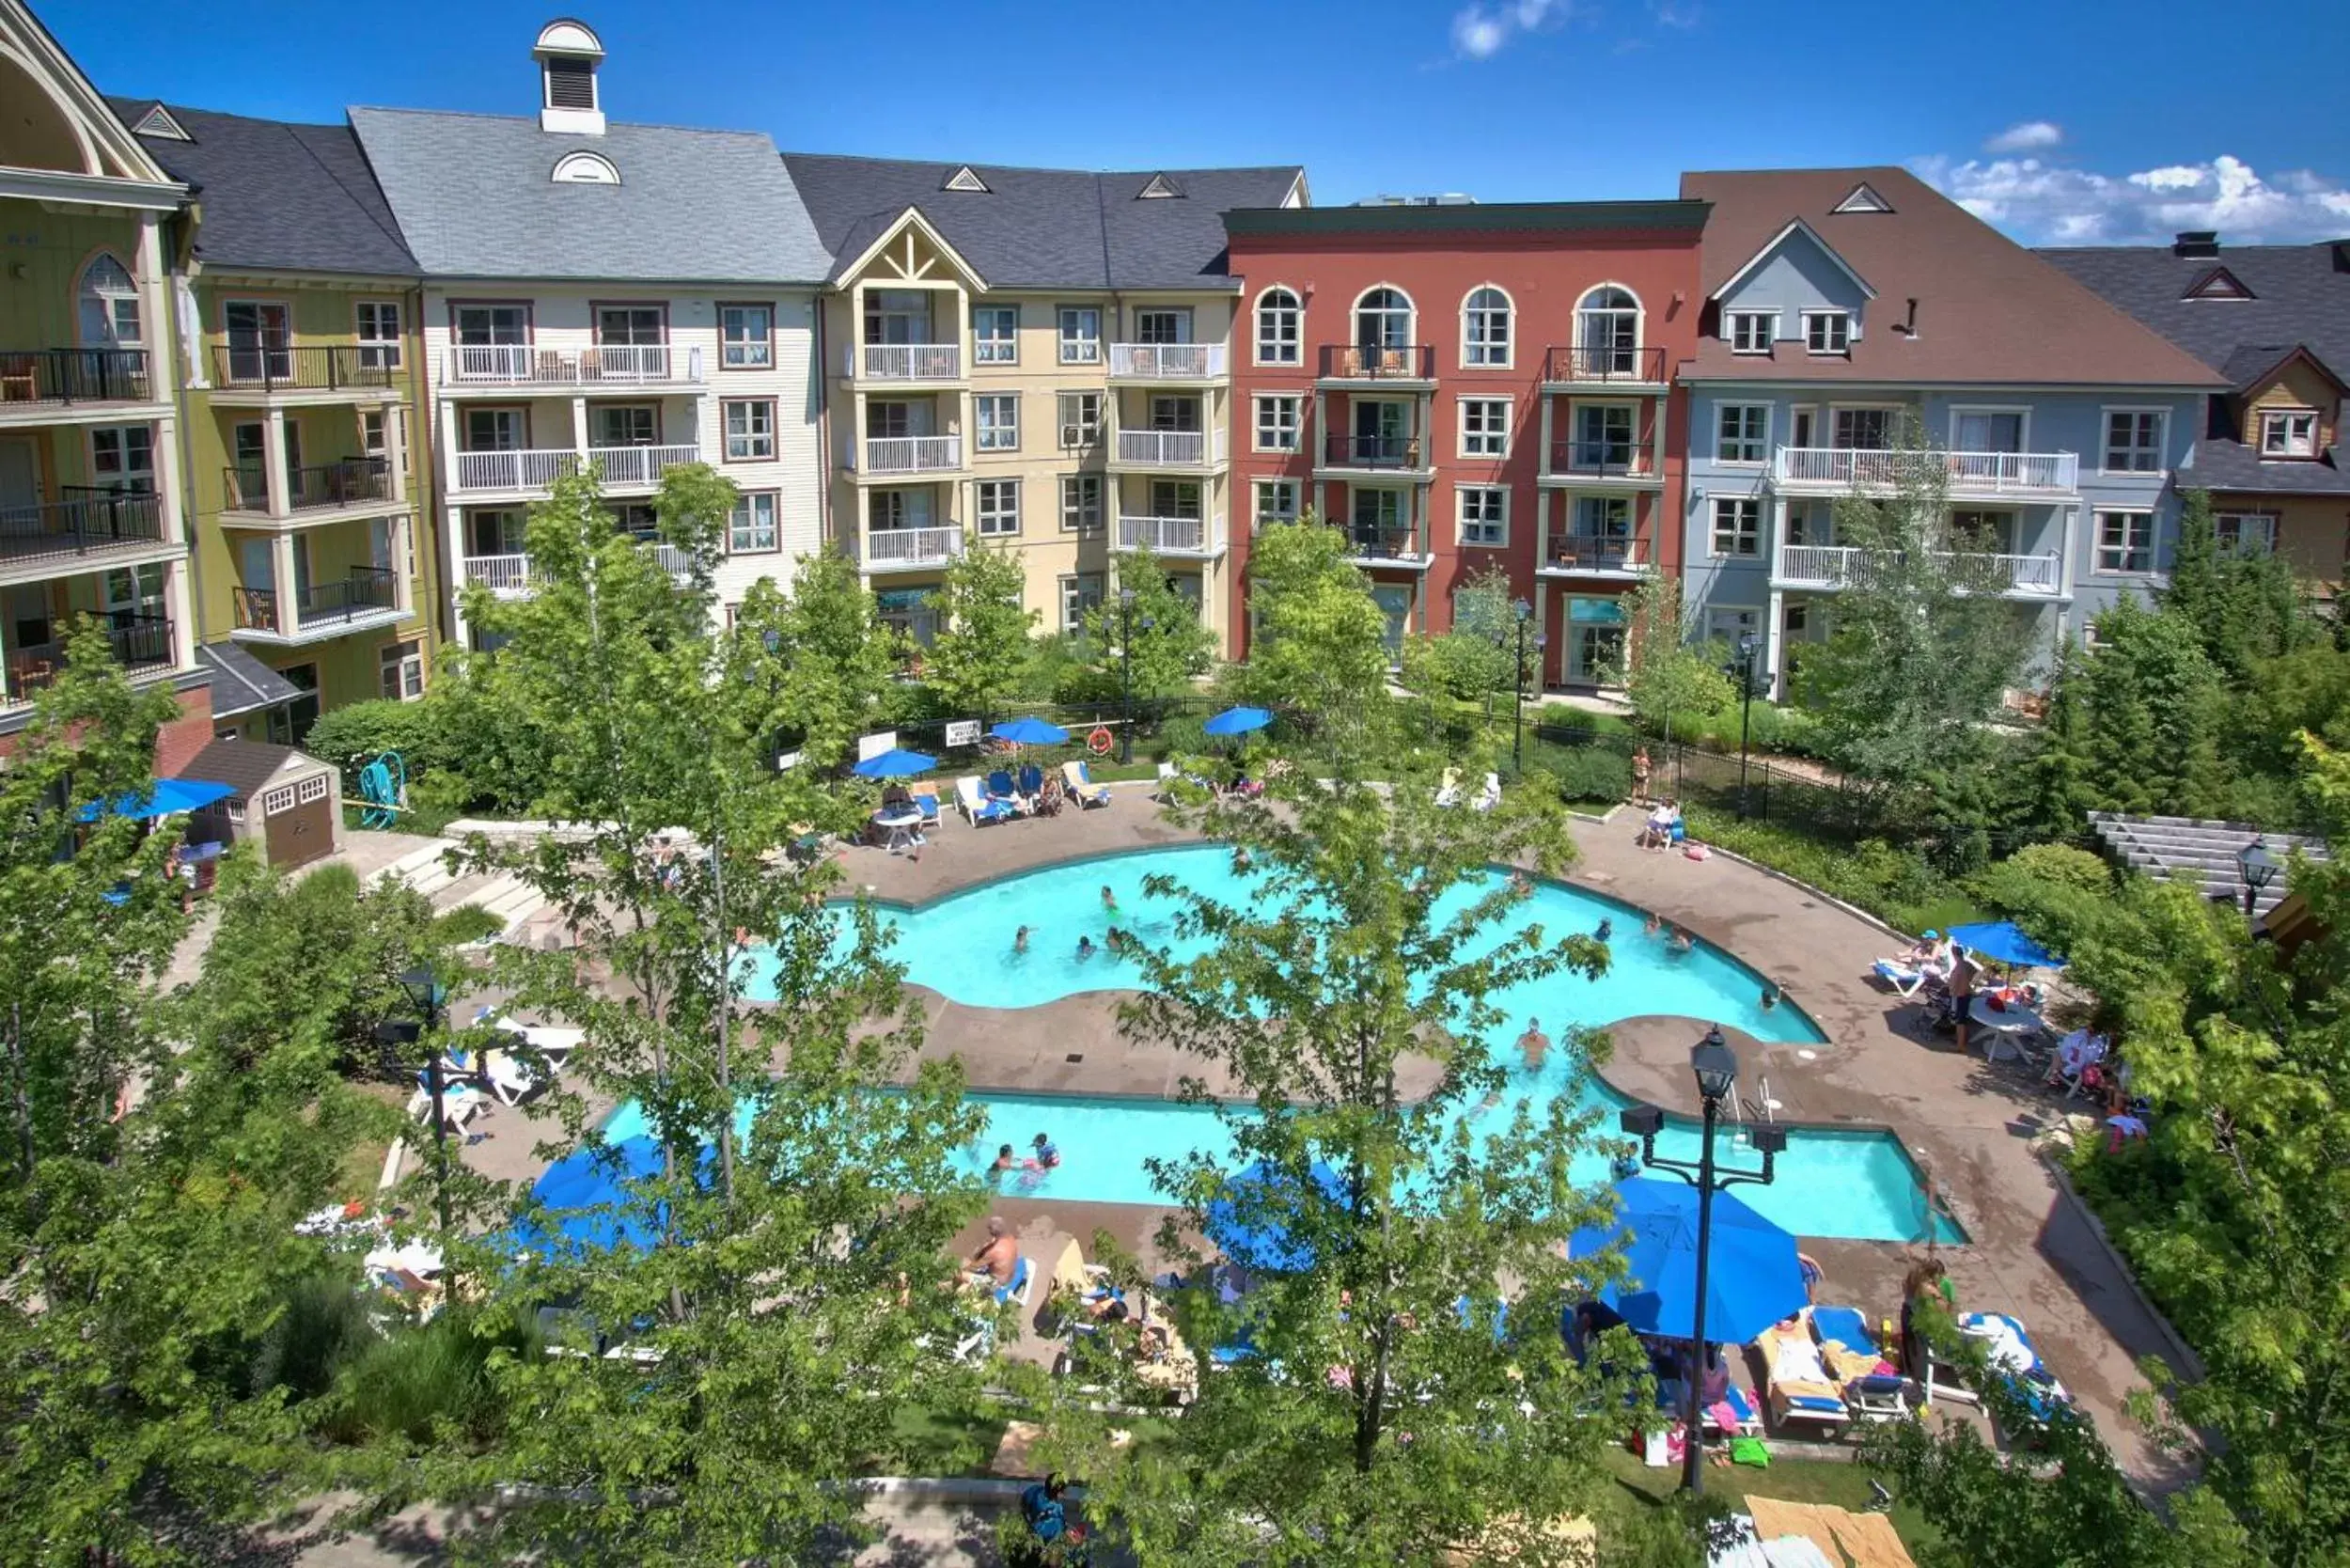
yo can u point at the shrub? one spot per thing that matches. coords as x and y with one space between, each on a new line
358 733
418 1381
325 1325
1590 773
1894 884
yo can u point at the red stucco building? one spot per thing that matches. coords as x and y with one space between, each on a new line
1467 387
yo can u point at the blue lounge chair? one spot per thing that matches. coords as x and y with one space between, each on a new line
2034 1383
1001 787
1872 1396
1023 1280
926 802
1031 780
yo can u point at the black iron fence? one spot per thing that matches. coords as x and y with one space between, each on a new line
73 376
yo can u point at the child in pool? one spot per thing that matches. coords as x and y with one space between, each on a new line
1045 1157
1770 996
1109 901
1606 928
1085 949
1020 941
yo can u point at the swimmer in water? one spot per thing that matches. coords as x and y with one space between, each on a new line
1085 949
1770 997
1109 902
1655 924
1020 940
1606 928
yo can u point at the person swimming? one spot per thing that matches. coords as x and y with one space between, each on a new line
1045 1155
1681 942
1020 940
1005 1162
1656 923
1085 949
1117 941
1770 996
1109 901
1606 928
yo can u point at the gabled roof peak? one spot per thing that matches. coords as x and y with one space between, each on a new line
1863 198
2218 283
966 180
1797 225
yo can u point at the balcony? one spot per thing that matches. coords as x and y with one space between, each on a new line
911 549
88 523
524 469
32 379
1185 538
1630 464
242 370
1377 544
1829 567
1405 362
638 467
1605 366
507 576
913 454
907 362
1169 362
1169 451
1832 470
1374 454
618 366
1568 553
143 643
365 598
347 486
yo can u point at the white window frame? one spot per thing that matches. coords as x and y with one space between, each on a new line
744 446
1479 350
1074 601
1078 433
1479 437
115 302
744 527
2282 420
995 351
1490 528
1831 327
400 670
1750 332
737 349
995 433
379 349
2113 559
2106 448
1959 412
996 508
1894 414
124 472
1082 505
1286 343
1277 488
1754 444
1078 347
1278 434
1746 514
2228 529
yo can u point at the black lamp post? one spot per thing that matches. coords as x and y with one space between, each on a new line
1748 646
2259 868
425 992
1524 611
1717 1068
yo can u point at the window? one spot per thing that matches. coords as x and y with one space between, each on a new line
2125 541
1383 321
999 507
1737 525
746 336
2288 432
999 422
110 306
996 333
1752 331
122 456
486 429
1603 517
623 425
751 526
260 339
581 169
1486 427
629 325
1863 430
135 590
2133 440
1603 437
1485 515
1987 430
2245 533
1486 328
750 425
485 324
1827 331
1163 325
1080 334
1277 422
1276 500
379 334
400 667
371 433
1606 333
1080 419
1744 431
1280 329
898 509
1079 593
1080 503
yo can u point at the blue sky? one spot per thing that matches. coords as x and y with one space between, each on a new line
2082 120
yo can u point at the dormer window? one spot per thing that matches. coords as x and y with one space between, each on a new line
965 181
568 53
586 168
1159 188
1750 331
1863 198
2288 432
2218 284
1827 331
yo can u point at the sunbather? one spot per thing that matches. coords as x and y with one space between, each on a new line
992 1261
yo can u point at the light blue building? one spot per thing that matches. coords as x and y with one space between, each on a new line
1845 306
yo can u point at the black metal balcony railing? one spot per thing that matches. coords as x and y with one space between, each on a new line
279 367
1379 542
1605 365
1593 552
140 642
1378 362
348 482
362 591
1626 458
1372 451
73 376
88 519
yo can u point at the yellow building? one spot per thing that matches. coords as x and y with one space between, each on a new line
298 303
1031 360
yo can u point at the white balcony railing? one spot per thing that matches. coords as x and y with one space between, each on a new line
671 559
1168 361
907 362
500 573
1856 467
913 454
1169 536
514 469
638 465
533 364
1836 566
1167 449
901 548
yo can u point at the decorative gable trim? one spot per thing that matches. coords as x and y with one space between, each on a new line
2303 354
1781 238
158 122
896 255
968 181
2218 283
1158 187
1863 198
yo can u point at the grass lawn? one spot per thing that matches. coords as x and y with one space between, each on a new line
1803 1480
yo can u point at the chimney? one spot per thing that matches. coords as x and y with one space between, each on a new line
568 53
2195 243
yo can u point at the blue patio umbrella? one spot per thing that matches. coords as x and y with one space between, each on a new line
1753 1279
166 797
586 1206
896 762
1245 1221
1029 731
1237 721
2004 942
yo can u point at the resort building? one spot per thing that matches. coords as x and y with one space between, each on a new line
622 297
2273 321
301 399
93 518
1037 361
1850 314
1465 389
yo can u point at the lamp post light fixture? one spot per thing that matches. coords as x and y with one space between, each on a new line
1716 1066
1748 646
425 992
1524 612
2259 868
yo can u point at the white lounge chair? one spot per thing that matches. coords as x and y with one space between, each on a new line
460 1104
976 807
1490 796
507 1078
1081 784
1448 792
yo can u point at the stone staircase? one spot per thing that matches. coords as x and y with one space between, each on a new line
2198 851
506 899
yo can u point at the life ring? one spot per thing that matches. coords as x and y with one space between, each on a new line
1099 743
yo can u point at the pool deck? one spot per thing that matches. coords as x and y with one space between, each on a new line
2028 1253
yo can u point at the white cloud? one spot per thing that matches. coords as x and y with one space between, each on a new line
2029 135
2043 203
1480 31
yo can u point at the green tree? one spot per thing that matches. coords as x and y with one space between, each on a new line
2058 767
818 655
1157 639
1666 673
1320 639
2244 605
2153 701
977 661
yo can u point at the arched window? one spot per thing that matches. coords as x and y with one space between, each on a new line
585 168
1486 328
1383 319
1280 327
1606 333
110 306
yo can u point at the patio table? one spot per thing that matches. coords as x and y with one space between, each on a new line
2004 1026
901 830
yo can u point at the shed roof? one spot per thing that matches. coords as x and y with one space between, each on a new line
247 766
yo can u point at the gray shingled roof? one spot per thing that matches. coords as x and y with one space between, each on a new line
1043 228
474 199
2223 462
277 195
2300 294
